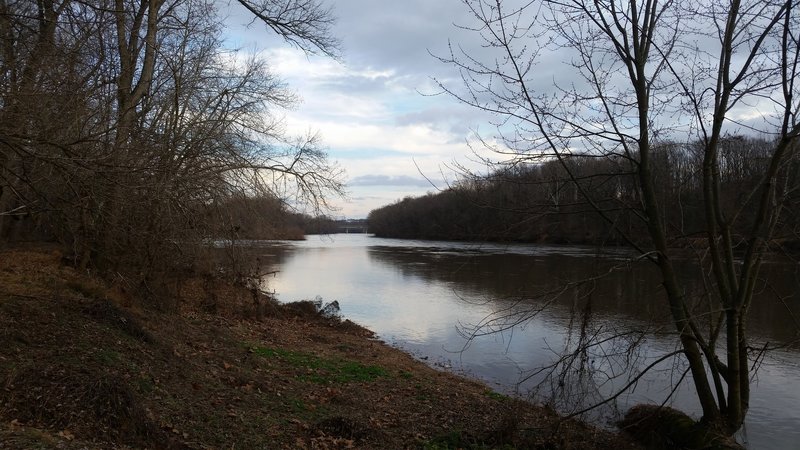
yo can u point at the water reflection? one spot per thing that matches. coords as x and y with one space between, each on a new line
416 294
615 287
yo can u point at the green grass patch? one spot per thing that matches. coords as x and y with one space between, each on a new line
108 357
144 384
86 288
297 406
459 440
323 370
497 396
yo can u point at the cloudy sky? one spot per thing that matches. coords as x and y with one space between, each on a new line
378 111
375 109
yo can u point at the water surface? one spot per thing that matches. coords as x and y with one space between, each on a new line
425 297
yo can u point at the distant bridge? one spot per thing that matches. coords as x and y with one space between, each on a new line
352 226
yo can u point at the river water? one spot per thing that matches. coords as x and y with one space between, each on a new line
426 297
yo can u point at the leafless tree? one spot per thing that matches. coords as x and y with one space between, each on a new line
618 80
123 122
303 23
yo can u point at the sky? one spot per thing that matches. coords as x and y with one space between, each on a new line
382 116
377 109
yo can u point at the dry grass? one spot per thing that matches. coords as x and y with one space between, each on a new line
82 367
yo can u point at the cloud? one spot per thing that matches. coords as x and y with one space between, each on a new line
456 120
388 180
398 34
368 107
364 199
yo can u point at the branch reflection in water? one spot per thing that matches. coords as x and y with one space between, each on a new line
425 296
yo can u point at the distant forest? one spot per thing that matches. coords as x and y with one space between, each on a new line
587 199
264 217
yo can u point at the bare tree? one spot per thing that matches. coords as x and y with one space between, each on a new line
634 75
123 122
305 24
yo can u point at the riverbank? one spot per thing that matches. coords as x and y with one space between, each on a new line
84 365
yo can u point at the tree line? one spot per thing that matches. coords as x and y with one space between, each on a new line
130 134
649 95
543 200
241 217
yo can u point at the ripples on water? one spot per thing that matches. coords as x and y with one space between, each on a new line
422 296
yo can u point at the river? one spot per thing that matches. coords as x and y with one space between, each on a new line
426 296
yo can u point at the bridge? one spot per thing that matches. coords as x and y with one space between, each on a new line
351 226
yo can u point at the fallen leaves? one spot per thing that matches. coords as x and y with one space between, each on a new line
200 384
66 434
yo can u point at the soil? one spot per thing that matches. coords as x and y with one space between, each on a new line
83 364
